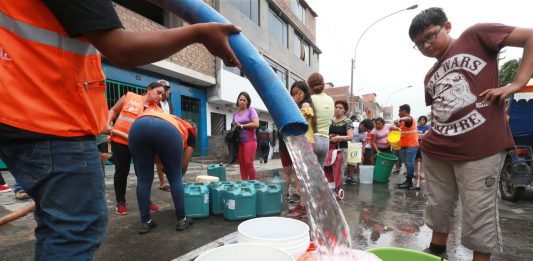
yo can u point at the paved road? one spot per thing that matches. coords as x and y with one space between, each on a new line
378 215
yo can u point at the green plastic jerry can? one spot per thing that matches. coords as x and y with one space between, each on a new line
196 200
217 170
216 196
240 203
269 199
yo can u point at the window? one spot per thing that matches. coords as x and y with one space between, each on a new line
277 28
301 49
294 78
280 71
298 10
218 124
250 8
115 90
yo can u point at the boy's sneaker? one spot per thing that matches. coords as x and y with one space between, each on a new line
184 223
297 212
145 227
294 198
121 208
21 195
443 255
154 208
5 188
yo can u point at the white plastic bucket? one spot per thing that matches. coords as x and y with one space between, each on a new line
354 152
366 174
285 233
245 252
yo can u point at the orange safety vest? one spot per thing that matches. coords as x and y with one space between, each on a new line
409 137
131 110
182 126
50 83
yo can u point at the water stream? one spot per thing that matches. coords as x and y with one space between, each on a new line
328 226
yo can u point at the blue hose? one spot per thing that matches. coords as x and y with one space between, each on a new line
279 103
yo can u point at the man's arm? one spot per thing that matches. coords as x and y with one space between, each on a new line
127 48
519 37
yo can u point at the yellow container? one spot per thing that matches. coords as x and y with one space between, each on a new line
394 137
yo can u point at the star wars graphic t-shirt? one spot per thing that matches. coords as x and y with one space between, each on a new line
463 127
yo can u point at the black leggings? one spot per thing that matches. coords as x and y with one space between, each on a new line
122 157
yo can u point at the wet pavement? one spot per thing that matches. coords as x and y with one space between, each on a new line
378 215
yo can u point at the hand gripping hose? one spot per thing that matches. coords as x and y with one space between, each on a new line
279 103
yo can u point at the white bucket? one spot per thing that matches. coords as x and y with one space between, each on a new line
366 174
354 152
245 252
285 233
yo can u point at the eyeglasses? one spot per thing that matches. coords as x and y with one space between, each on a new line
427 40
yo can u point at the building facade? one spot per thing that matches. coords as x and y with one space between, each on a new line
356 104
284 33
202 88
190 72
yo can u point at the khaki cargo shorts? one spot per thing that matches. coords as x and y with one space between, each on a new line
475 183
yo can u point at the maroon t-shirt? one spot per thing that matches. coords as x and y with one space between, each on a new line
462 126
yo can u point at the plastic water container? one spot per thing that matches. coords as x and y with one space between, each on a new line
207 179
240 203
217 170
216 196
245 252
288 234
366 174
402 254
355 150
269 199
196 200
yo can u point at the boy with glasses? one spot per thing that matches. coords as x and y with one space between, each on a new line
464 150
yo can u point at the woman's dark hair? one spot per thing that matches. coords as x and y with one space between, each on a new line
247 96
422 117
316 83
344 105
380 120
426 18
155 85
307 98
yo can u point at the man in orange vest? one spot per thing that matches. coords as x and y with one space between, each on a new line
50 67
409 143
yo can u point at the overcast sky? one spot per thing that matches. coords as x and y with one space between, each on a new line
385 59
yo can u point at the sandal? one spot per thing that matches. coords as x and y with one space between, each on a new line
165 187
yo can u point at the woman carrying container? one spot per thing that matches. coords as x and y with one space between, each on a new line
174 144
247 121
302 96
128 108
340 132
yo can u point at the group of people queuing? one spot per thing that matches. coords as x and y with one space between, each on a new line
48 129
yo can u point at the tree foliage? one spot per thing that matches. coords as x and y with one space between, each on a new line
508 71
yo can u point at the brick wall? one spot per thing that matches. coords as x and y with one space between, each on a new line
195 57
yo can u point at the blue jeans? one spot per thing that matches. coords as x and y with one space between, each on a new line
409 156
17 187
65 180
149 136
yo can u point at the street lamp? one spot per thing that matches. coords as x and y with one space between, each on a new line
394 92
350 93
